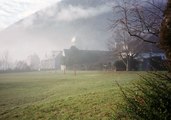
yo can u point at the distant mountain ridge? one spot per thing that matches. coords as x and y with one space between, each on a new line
54 27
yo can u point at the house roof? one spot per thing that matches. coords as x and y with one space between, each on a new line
145 47
78 56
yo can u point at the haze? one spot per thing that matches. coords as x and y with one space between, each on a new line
29 27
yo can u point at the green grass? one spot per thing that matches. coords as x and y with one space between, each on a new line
53 95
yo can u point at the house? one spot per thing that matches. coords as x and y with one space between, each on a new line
150 56
140 55
75 58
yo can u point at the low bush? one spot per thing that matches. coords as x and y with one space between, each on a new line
150 99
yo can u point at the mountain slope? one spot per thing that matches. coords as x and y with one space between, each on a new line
54 27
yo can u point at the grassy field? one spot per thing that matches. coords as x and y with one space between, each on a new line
53 95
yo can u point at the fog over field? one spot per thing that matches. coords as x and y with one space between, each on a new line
54 27
85 59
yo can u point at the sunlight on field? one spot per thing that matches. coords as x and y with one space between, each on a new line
53 95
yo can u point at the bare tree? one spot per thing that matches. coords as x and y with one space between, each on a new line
125 47
1 65
5 60
22 66
139 18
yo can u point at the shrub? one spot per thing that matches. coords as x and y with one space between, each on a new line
150 99
119 65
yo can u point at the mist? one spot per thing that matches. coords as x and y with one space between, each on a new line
54 27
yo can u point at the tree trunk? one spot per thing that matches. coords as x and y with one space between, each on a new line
127 65
165 32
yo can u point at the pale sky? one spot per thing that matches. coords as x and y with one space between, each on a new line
12 11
